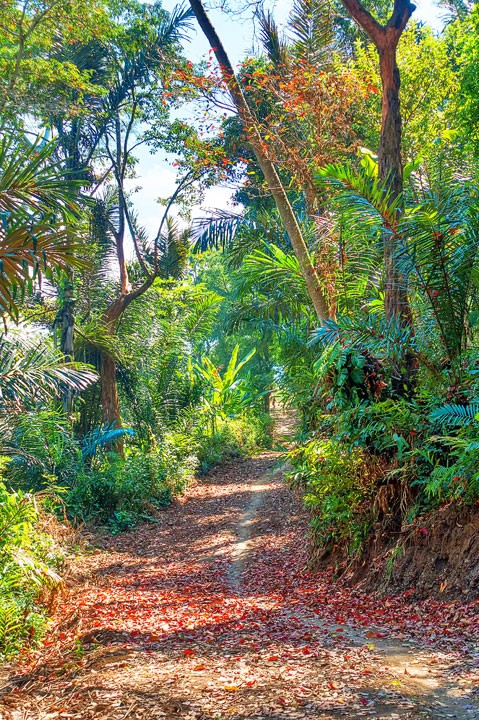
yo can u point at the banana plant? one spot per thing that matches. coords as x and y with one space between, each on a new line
225 395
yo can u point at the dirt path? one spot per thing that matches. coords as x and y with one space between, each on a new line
210 614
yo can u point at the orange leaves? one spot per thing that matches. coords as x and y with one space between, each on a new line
307 116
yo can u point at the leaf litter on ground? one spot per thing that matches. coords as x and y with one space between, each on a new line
212 613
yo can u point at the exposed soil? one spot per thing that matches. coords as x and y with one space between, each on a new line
210 613
436 557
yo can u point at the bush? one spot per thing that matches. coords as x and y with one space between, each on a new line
120 491
338 485
243 435
29 563
451 460
96 482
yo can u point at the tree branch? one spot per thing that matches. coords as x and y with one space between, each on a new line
250 126
381 34
364 19
188 180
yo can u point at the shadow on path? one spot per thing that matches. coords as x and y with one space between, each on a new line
211 614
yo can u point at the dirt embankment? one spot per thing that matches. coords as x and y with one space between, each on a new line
437 557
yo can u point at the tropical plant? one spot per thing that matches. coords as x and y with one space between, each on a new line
38 204
29 563
32 372
225 395
436 254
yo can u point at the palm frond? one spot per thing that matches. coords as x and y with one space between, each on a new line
441 251
274 44
95 335
311 23
26 250
273 268
101 437
361 197
218 230
173 29
202 314
456 415
31 181
30 371
381 337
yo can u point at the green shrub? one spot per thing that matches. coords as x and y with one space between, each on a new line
451 460
29 561
338 485
242 435
119 491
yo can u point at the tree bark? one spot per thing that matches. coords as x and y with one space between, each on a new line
268 169
390 170
109 388
109 392
110 401
67 336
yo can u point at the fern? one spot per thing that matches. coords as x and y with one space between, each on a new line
456 415
101 437
26 567
381 337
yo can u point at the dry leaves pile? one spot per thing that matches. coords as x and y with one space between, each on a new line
211 614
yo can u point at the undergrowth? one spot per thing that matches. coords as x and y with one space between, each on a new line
244 435
377 462
30 562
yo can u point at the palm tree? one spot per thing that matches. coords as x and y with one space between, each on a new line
38 204
31 372
252 128
133 90
437 246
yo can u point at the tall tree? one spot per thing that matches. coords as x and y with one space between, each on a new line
33 77
253 134
390 170
128 74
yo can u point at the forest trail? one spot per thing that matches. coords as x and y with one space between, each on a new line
211 614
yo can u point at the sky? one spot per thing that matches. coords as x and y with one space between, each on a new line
155 174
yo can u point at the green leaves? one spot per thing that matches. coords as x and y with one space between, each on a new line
456 415
275 270
33 182
360 197
311 23
37 202
25 565
383 338
30 371
435 240
225 395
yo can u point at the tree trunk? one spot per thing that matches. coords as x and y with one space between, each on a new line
390 170
110 402
67 337
268 169
109 391
109 388
389 155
